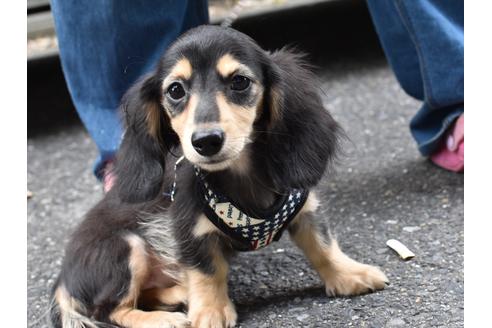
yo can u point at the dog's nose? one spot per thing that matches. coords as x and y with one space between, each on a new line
207 143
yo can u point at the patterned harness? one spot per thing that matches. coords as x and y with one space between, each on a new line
251 233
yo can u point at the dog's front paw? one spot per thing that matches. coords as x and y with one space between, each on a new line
354 279
214 317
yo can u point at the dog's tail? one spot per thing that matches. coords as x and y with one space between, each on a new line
67 312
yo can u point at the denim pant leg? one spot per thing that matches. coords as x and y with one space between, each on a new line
423 42
106 45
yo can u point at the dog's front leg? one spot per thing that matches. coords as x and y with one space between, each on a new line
341 274
209 305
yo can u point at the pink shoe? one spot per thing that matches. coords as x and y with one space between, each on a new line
451 155
109 177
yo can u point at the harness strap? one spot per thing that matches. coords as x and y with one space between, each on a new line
250 232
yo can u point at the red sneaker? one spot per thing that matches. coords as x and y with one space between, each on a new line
451 155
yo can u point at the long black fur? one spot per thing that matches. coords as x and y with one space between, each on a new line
293 141
140 160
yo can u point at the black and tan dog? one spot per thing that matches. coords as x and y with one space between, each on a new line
253 139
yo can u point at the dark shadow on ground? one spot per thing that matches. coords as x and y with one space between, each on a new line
49 107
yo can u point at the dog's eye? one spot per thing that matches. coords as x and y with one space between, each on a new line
176 91
240 83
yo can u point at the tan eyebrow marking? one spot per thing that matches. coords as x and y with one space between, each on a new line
227 64
181 70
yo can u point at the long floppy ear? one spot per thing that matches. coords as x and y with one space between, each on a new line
302 135
140 162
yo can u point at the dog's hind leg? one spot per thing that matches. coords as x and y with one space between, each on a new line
126 313
341 274
174 295
130 317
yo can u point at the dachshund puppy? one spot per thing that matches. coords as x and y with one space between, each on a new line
223 145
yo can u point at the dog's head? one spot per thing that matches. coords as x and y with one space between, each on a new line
225 101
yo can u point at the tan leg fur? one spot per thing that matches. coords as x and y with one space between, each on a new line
209 303
126 314
341 274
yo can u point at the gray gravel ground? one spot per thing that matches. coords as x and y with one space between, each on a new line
381 187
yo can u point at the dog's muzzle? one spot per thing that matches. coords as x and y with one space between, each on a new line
208 142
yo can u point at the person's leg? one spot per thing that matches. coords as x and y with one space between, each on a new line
423 42
106 45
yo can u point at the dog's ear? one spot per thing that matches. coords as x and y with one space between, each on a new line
140 162
302 137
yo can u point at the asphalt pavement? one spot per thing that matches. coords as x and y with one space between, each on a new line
380 189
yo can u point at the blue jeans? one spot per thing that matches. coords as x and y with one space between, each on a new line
105 45
423 42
